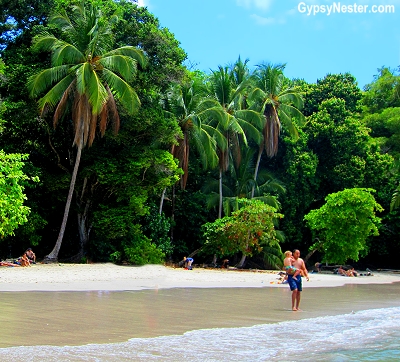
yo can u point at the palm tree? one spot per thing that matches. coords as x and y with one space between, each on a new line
279 102
237 124
240 184
86 78
187 103
190 107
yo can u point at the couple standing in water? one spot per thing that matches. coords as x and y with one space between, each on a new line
295 268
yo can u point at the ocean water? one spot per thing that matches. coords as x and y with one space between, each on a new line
367 335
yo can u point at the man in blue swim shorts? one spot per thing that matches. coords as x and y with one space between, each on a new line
296 285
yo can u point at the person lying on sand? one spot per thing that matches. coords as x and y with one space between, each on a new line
6 263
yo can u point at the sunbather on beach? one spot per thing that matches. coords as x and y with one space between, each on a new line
24 260
7 263
288 264
351 273
31 255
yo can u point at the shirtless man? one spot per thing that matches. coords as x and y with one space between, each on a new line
296 285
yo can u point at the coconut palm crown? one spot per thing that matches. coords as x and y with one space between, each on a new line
86 74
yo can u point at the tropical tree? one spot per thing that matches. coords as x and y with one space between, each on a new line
13 212
240 183
279 101
187 103
248 230
344 224
85 81
236 124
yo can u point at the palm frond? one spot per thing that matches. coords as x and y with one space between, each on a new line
112 113
220 139
122 64
89 83
54 95
273 257
131 52
65 53
246 123
62 104
38 83
256 119
125 93
269 200
395 202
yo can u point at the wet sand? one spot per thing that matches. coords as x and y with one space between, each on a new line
78 318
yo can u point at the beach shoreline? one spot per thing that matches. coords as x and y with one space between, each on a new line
80 304
111 277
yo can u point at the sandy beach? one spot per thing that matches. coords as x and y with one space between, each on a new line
79 304
107 276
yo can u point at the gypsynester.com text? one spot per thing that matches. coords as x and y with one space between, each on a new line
340 8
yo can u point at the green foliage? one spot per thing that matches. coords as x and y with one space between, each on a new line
342 145
341 86
383 92
299 170
247 230
21 15
156 227
12 210
385 128
138 250
344 223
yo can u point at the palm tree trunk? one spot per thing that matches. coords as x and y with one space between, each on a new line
260 151
173 214
220 195
84 228
53 256
162 201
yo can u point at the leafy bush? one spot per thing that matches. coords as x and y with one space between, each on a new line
247 230
137 249
344 224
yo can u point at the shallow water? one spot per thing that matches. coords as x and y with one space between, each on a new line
202 324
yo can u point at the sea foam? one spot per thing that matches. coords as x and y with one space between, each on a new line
369 335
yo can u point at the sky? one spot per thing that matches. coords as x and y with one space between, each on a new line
311 43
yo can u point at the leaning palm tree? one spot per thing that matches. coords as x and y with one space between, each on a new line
280 103
86 78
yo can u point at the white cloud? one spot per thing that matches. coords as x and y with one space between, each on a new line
260 20
258 4
142 2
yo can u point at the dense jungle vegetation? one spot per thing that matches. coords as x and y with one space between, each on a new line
112 150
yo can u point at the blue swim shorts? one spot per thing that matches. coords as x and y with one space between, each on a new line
293 284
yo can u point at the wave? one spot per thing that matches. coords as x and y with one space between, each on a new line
362 336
